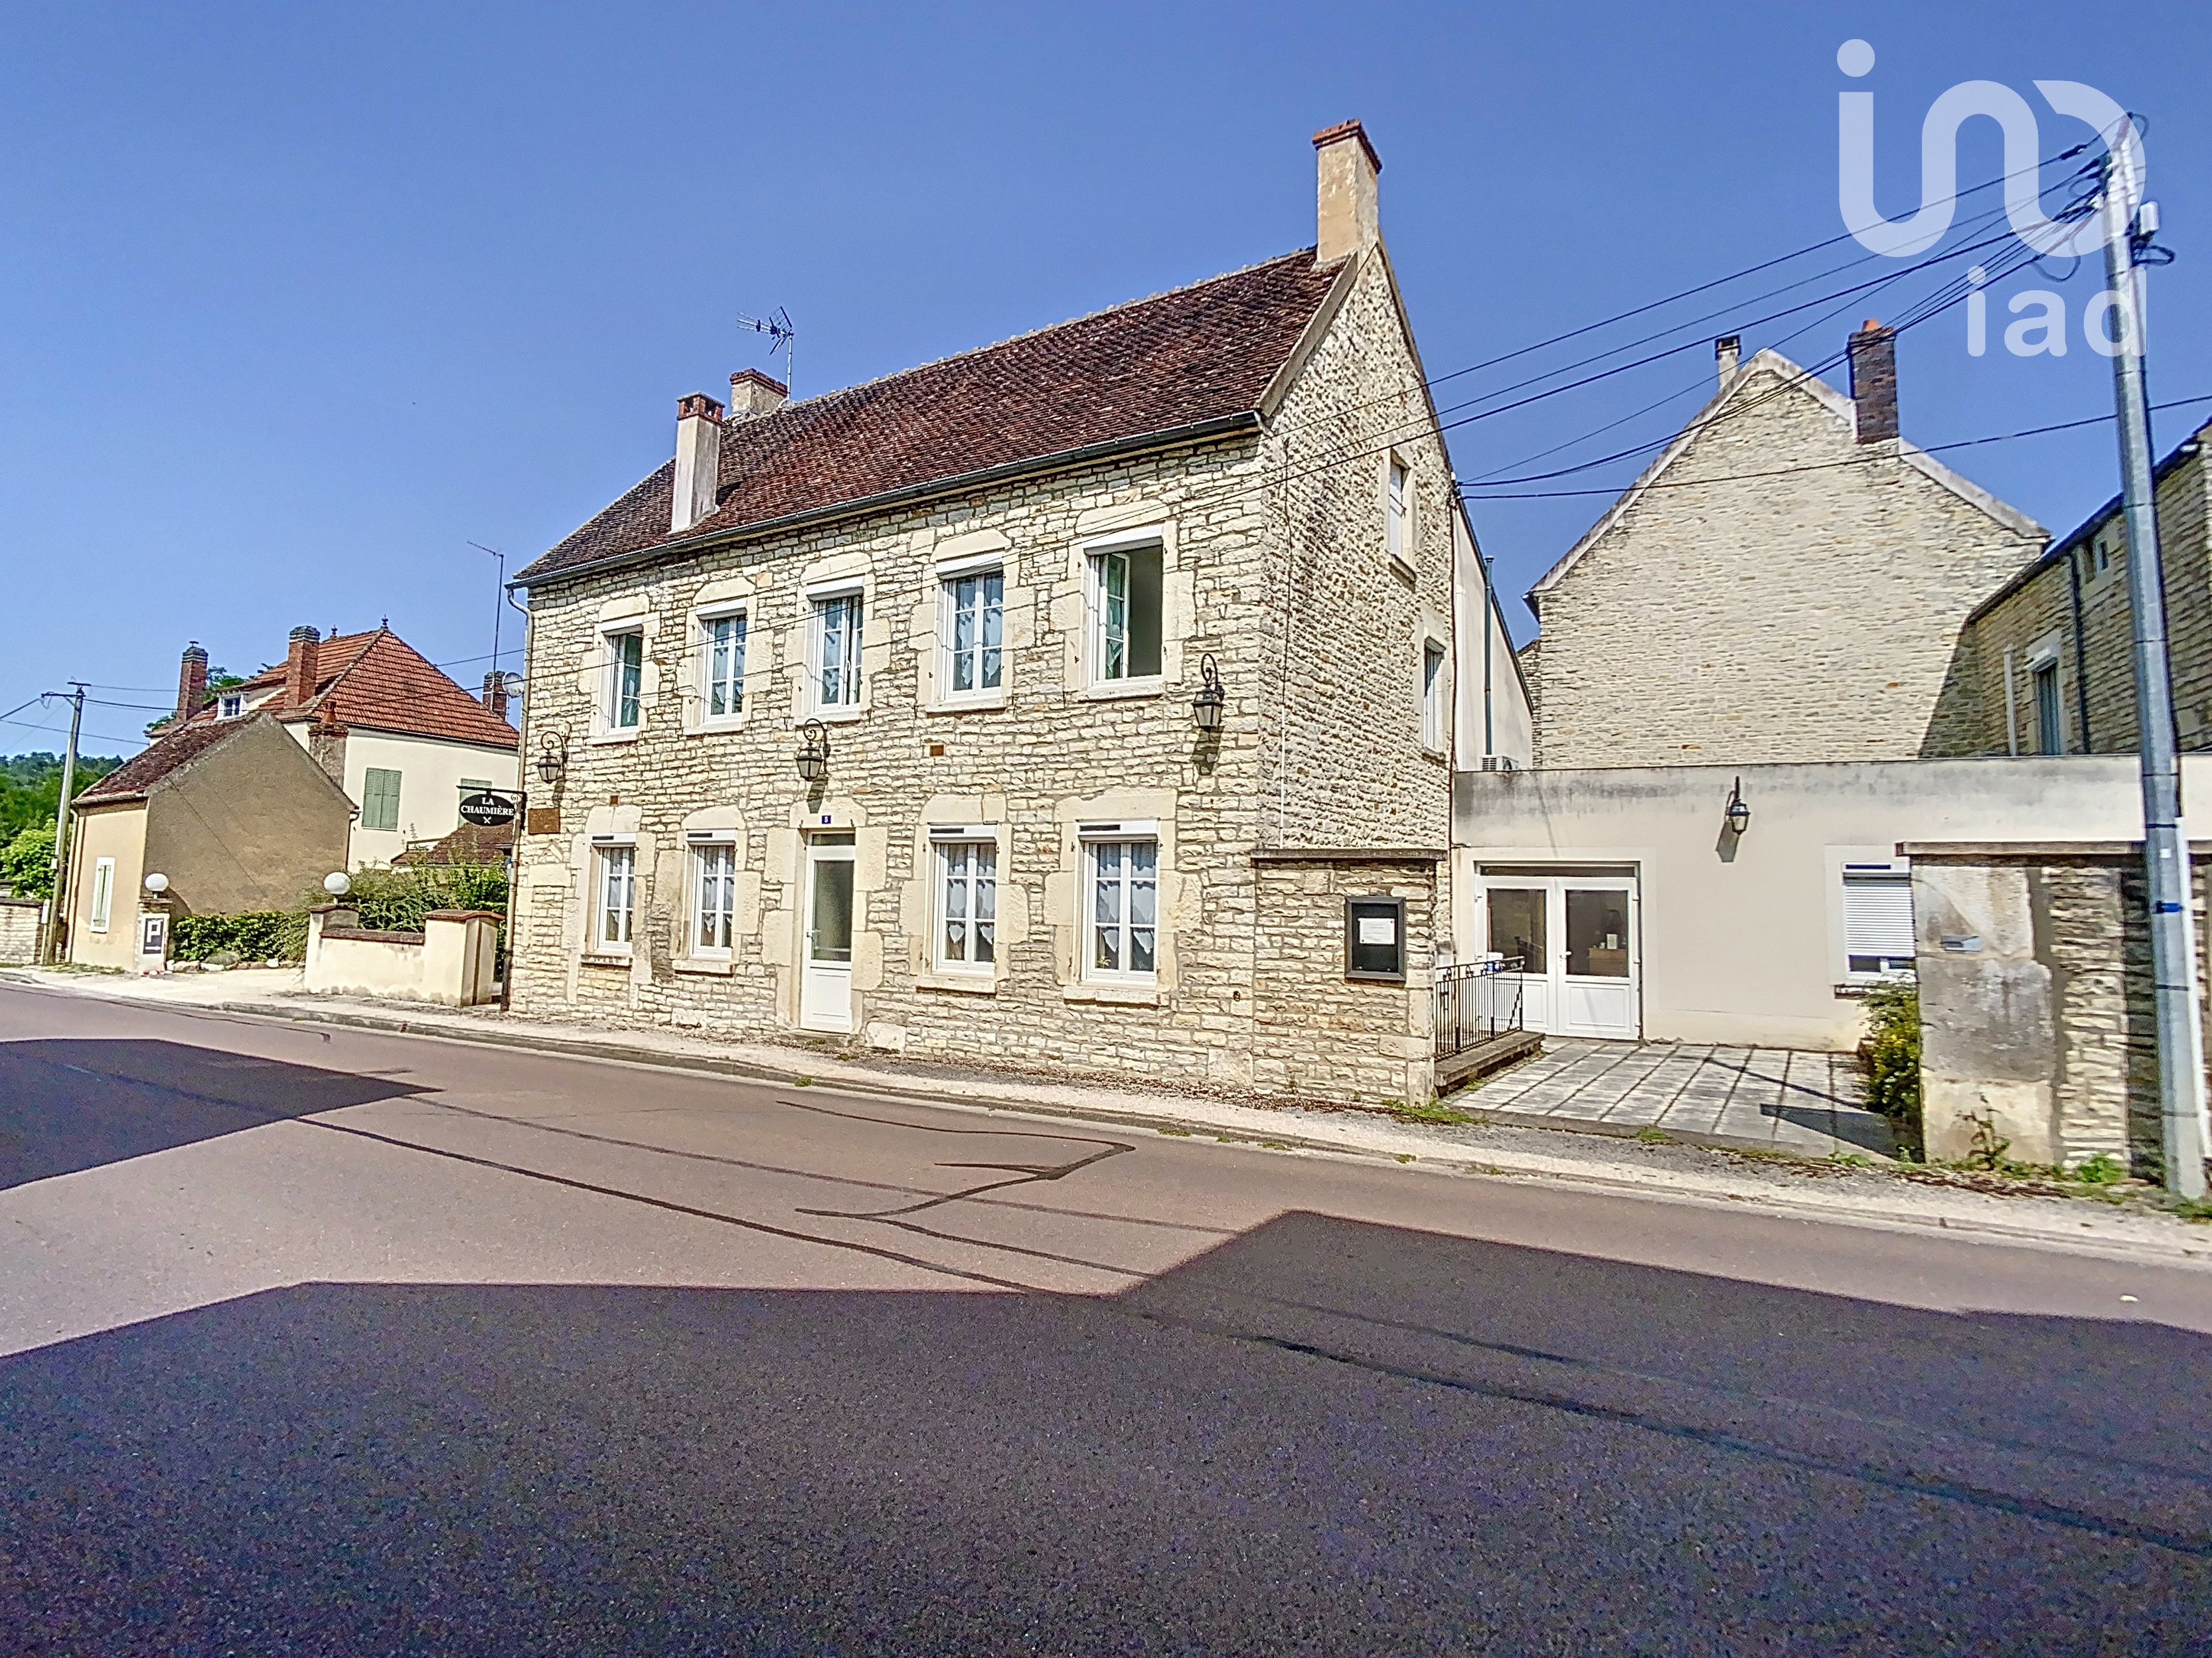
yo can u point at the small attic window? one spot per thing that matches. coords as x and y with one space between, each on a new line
229 707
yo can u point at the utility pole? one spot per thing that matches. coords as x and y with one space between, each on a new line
2165 838
52 951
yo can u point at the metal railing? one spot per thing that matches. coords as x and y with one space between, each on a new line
1477 1002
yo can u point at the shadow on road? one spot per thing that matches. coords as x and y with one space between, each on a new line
69 1105
1322 1437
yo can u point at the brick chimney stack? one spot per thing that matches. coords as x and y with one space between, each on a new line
1873 381
301 675
698 460
753 393
191 682
495 694
1349 221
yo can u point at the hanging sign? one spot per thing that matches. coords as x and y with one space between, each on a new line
487 810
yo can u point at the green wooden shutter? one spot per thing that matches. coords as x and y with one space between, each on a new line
379 799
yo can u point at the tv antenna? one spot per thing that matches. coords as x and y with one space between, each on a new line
779 334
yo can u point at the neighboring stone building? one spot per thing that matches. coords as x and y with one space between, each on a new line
2050 656
234 812
1786 583
404 742
885 714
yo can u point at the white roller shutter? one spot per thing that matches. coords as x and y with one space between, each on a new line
1878 915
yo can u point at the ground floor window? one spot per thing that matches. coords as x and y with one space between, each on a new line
967 903
714 896
617 896
1123 879
103 893
1877 920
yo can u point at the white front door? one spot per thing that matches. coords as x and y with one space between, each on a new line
1576 937
825 968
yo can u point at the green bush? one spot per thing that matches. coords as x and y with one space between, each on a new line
260 935
1891 1054
398 899
26 862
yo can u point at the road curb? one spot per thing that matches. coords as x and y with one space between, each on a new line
1500 1165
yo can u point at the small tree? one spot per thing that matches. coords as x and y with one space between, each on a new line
26 862
1891 1053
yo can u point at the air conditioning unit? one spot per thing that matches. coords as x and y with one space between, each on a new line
1499 762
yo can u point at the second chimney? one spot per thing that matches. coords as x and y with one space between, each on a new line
698 459
753 393
301 675
1348 219
1727 353
191 682
495 694
1873 381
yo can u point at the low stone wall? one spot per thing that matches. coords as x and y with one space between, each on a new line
452 961
2036 999
1318 1032
19 930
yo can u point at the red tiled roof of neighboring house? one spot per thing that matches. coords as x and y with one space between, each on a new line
1180 359
130 780
471 844
380 681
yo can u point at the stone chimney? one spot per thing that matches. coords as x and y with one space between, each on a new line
1728 354
1873 381
753 393
698 459
300 676
495 694
191 682
1348 221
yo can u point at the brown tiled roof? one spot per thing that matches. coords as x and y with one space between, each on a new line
130 780
471 844
1198 353
379 680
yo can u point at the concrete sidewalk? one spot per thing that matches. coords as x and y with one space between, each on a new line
1678 1168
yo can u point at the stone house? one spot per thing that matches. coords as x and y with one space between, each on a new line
1786 583
2050 656
1085 701
404 742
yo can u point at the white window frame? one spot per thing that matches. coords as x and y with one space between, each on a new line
703 852
1435 682
611 692
1397 509
1895 871
1095 557
103 895
852 685
1094 840
229 705
614 862
972 840
733 685
949 578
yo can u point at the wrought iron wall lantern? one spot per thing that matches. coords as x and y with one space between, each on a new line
1211 700
814 755
552 759
1737 811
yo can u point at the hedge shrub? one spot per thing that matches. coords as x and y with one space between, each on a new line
260 935
400 898
1891 1054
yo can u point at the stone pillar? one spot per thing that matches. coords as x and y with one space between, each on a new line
460 956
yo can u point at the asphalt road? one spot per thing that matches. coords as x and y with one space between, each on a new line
319 1342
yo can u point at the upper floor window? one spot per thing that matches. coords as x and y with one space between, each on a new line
974 624
1432 696
1121 878
1125 601
229 707
836 641
625 679
2050 731
1393 519
379 799
724 664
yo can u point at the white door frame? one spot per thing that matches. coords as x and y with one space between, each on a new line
825 988
1572 1004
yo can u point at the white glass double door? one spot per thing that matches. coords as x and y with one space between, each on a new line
826 966
1575 936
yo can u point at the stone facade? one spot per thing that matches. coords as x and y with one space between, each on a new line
2071 611
1772 589
2039 1020
19 930
1274 560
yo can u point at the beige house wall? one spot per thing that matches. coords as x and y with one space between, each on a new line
252 824
431 773
2037 616
1275 566
117 832
1745 943
1785 594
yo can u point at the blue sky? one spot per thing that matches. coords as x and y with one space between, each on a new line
300 301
